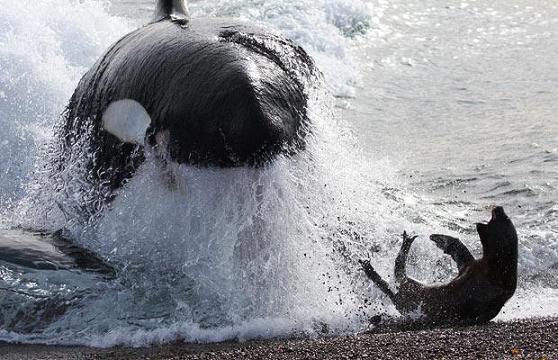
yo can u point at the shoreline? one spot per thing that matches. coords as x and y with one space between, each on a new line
534 338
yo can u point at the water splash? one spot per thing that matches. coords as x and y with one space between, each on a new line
212 255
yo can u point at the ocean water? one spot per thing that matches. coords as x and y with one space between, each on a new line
431 114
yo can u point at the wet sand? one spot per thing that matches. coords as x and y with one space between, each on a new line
525 339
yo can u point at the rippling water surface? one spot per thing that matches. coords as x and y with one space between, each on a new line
441 110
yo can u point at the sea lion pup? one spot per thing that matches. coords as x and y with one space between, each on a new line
479 291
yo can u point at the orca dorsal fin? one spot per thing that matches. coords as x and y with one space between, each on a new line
176 10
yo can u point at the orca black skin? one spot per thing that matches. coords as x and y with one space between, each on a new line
481 288
44 251
218 92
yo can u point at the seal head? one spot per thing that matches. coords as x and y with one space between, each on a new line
498 232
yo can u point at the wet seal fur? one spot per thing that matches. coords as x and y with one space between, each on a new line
479 291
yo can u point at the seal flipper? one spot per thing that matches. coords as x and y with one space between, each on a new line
454 248
401 260
176 10
377 279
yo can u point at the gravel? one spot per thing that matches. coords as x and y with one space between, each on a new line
523 339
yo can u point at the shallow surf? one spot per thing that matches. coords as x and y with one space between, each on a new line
440 112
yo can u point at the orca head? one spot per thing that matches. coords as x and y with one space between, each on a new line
128 120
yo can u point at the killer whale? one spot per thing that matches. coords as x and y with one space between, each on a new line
49 251
211 92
